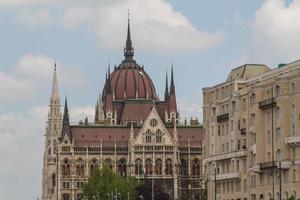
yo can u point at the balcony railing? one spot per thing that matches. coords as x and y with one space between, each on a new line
293 140
223 117
268 103
268 165
232 175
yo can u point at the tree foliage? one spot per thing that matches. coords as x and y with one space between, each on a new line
102 183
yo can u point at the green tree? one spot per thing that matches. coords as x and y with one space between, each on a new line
103 183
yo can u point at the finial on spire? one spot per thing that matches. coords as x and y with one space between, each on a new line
54 92
128 50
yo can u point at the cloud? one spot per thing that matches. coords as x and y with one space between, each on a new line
189 108
33 18
169 30
277 28
80 112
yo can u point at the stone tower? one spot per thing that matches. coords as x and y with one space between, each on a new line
53 130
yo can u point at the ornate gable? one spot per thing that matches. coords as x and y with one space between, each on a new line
153 131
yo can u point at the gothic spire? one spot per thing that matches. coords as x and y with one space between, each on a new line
66 119
128 50
54 92
167 88
108 81
172 86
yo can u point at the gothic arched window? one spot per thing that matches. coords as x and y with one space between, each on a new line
252 99
148 167
66 168
108 162
158 136
122 167
148 136
94 165
66 196
80 167
138 167
169 170
158 167
277 90
53 180
196 167
184 167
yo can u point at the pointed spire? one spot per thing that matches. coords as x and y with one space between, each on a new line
167 87
172 86
54 92
97 112
128 50
66 119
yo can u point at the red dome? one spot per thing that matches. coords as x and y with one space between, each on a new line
130 81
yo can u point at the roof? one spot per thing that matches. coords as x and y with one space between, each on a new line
109 135
247 71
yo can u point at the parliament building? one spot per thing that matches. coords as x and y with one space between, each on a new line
134 132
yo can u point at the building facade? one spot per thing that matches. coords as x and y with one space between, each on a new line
134 132
251 145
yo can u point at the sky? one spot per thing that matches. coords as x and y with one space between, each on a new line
203 39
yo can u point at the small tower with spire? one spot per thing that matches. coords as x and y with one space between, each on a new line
128 49
53 129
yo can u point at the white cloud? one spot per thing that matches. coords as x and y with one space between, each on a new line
155 23
33 18
79 113
190 108
164 30
277 28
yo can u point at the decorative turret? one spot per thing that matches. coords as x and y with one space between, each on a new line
66 131
167 88
128 50
172 86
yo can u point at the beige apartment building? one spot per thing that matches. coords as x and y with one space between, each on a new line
251 124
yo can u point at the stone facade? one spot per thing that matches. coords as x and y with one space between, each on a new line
134 132
251 124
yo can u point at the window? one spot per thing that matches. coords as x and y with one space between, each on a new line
278 134
66 196
66 185
293 88
108 162
277 113
245 185
122 167
148 166
252 119
94 165
53 180
66 168
148 136
277 90
79 185
196 167
252 99
158 136
169 170
269 137
79 196
158 167
184 167
80 168
138 167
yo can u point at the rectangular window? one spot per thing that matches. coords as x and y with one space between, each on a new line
66 185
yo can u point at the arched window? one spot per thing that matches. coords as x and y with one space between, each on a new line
252 99
277 90
93 165
79 196
148 167
122 167
184 167
66 196
293 88
148 136
196 167
138 167
66 168
53 180
278 155
277 113
158 167
158 136
108 162
80 167
169 170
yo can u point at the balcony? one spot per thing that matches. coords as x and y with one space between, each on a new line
268 103
293 140
224 156
268 165
223 117
243 131
232 175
